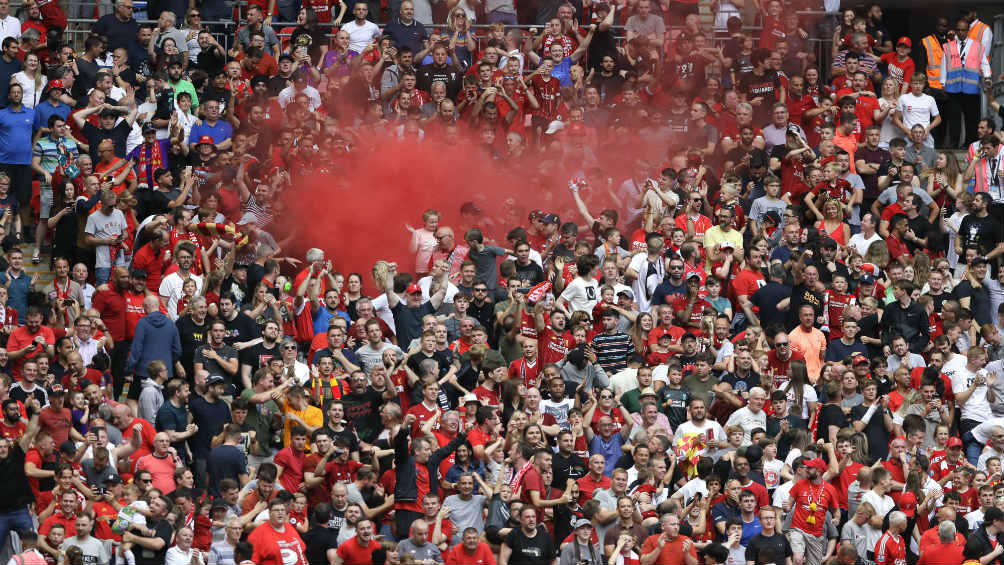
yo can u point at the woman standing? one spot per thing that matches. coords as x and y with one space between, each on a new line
32 81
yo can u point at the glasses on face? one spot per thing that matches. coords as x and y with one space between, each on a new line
289 347
674 268
146 481
606 397
780 344
480 290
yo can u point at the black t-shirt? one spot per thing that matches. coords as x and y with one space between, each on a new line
408 321
318 539
15 492
192 336
538 550
212 61
979 301
767 298
830 415
800 295
530 273
922 229
564 468
258 355
767 86
241 328
984 233
162 529
150 202
878 436
118 134
362 412
759 542
673 403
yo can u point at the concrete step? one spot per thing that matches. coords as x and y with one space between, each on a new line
42 271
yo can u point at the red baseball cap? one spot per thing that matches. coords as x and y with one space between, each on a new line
859 359
206 139
413 288
817 464
904 41
954 442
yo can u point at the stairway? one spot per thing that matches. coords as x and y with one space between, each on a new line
42 271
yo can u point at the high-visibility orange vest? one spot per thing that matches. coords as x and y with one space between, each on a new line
934 54
976 33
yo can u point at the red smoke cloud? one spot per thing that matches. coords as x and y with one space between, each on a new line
358 214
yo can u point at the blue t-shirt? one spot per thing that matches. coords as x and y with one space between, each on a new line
210 417
563 72
225 462
15 136
221 132
750 529
45 109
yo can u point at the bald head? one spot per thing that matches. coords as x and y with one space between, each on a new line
151 304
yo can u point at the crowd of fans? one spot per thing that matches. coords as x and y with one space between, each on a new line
767 333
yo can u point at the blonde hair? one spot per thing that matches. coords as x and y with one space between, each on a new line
878 253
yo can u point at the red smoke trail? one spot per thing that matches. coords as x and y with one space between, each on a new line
358 215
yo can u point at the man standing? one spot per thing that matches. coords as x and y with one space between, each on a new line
171 286
965 66
50 153
357 550
668 546
417 472
647 271
906 318
811 498
808 341
93 549
770 536
15 148
105 231
156 338
890 548
150 542
15 492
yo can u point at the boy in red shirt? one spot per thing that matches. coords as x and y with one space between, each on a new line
901 66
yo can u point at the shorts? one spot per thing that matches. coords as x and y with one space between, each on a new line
807 545
45 202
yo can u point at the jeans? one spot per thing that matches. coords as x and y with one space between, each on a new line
101 275
973 447
15 520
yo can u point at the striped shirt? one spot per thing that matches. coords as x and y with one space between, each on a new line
612 351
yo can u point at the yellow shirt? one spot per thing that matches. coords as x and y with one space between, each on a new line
715 236
312 415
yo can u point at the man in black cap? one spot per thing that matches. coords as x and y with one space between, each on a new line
164 195
55 419
150 155
828 263
116 132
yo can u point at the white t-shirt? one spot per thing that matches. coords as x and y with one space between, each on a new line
889 130
101 226
982 432
861 244
361 35
882 505
171 286
916 109
772 472
645 284
711 429
749 421
976 406
582 294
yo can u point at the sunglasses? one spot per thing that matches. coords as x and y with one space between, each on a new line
780 344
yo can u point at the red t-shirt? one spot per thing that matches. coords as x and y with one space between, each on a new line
552 347
778 369
422 414
277 548
56 424
696 312
292 468
812 500
900 71
526 371
890 550
702 224
153 263
896 246
336 472
588 485
352 553
20 338
458 555
548 93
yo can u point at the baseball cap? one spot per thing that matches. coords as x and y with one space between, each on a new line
221 504
978 261
471 397
867 279
858 359
109 112
537 214
687 336
693 275
904 41
626 293
413 288
829 243
214 380
114 479
57 389
954 442
68 447
817 464
148 127
206 139
53 84
582 523
551 219
138 274
726 245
